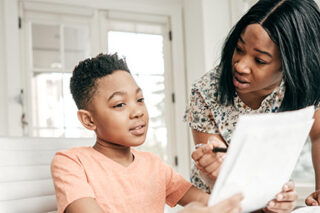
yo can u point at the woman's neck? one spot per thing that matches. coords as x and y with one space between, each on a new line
118 153
251 100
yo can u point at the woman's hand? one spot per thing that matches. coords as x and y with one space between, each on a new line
208 162
313 199
285 201
229 205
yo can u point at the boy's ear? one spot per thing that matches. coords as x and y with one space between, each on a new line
85 118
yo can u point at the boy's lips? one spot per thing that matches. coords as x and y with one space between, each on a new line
138 129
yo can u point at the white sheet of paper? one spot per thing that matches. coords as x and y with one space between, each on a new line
307 209
262 155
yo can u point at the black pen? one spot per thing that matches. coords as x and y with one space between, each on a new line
219 149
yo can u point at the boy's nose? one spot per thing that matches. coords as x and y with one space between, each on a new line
137 113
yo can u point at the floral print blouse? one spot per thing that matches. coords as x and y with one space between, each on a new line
206 114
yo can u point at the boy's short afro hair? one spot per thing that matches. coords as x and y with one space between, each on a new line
85 74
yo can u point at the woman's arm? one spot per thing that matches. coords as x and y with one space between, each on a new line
202 137
208 162
314 198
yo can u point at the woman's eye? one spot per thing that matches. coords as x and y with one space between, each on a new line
118 105
141 100
259 61
238 49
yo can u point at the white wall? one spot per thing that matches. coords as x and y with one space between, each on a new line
11 68
3 118
207 23
217 23
194 40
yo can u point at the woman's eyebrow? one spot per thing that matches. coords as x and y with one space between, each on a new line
258 50
263 52
242 41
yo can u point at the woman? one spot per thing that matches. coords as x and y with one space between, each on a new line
269 63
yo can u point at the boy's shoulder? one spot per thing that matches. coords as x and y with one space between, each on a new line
74 152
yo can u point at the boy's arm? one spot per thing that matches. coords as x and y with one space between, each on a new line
194 194
83 205
231 204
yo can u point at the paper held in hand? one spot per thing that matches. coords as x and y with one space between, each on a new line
262 155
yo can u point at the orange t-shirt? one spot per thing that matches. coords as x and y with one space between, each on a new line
144 186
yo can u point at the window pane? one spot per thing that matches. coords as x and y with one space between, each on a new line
46 46
77 46
54 110
144 54
304 171
153 91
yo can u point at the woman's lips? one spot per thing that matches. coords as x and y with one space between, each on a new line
240 84
139 130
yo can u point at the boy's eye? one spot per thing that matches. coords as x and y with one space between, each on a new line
118 105
141 100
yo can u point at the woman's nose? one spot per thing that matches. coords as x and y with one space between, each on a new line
242 66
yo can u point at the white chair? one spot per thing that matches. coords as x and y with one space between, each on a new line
25 179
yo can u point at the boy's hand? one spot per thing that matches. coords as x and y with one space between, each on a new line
285 201
229 205
208 162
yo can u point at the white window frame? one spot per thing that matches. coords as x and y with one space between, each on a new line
168 8
11 69
33 13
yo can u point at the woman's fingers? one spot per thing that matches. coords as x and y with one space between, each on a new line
289 186
209 164
212 167
281 207
207 161
216 142
201 151
285 201
287 196
313 199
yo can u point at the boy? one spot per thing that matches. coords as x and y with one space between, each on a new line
111 176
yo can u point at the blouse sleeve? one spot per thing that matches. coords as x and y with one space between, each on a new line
198 114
